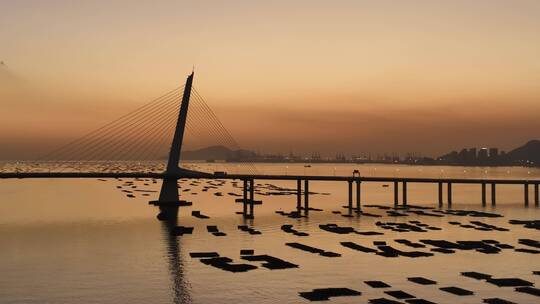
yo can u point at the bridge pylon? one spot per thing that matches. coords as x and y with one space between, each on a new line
169 196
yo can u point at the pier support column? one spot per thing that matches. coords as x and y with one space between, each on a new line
245 198
404 194
536 199
306 196
396 190
440 194
298 195
526 194
358 196
350 196
449 189
493 195
483 194
251 197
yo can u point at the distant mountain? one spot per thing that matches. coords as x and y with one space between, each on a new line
528 152
526 155
217 153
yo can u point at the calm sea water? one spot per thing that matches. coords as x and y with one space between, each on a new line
85 241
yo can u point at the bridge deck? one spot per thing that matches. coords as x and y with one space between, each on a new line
24 175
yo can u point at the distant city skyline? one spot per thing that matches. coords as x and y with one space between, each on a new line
346 76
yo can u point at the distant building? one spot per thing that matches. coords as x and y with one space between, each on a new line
483 155
493 153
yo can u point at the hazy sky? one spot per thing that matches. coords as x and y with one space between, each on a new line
329 76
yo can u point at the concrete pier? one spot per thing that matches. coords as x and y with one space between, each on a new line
526 193
536 202
251 197
404 194
483 194
440 194
493 195
358 196
299 195
396 190
449 189
245 198
306 196
350 195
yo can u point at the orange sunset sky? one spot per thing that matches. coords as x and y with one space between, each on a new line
327 76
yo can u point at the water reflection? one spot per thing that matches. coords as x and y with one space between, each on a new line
180 287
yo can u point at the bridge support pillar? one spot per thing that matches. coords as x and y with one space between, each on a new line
350 199
404 194
493 195
245 198
440 194
483 194
306 196
299 195
526 194
536 199
358 207
251 197
396 191
449 189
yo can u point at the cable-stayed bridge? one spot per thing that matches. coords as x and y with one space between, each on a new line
114 150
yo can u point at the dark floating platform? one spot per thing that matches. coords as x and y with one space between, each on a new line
181 230
225 263
198 214
471 213
529 290
497 301
443 245
399 294
409 243
412 226
270 261
388 251
443 250
254 202
527 250
534 224
422 281
247 252
385 250
249 230
476 275
509 282
377 284
529 242
383 301
336 229
368 214
215 230
478 225
204 254
354 246
291 230
324 294
180 203
292 214
419 301
457 291
313 250
424 213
